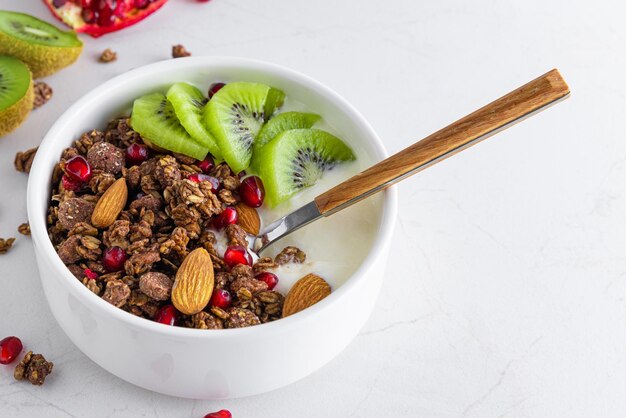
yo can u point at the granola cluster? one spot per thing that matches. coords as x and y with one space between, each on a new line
167 215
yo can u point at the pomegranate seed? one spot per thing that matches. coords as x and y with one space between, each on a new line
270 278
215 183
89 273
227 217
69 184
207 164
236 254
114 259
59 3
10 348
224 413
86 4
141 4
252 191
203 1
166 315
221 298
136 154
88 15
215 87
78 169
106 18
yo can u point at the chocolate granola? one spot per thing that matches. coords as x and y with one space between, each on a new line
167 215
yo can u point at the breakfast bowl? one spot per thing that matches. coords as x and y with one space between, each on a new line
223 363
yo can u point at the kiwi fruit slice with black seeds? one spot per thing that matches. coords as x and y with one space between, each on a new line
296 159
16 93
42 46
280 123
154 118
188 103
235 114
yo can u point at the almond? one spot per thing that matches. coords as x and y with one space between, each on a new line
304 293
193 286
248 219
110 204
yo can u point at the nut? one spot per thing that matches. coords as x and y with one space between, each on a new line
304 293
193 286
248 219
110 204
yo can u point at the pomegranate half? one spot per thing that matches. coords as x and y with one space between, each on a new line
99 17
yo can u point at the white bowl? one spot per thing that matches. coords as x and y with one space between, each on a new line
196 363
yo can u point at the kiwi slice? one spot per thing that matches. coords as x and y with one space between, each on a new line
154 118
235 115
43 47
280 123
188 103
16 93
296 159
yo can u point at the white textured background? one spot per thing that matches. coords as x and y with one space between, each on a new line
505 290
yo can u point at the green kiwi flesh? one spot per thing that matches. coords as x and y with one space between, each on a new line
188 103
154 118
296 159
235 114
16 93
42 46
280 123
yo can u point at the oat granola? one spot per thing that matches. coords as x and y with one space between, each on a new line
179 51
108 55
33 368
166 217
43 93
6 244
24 160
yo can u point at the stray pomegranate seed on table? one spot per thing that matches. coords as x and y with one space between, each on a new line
224 413
10 349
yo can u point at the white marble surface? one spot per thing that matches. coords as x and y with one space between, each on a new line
506 284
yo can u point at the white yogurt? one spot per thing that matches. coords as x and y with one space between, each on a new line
334 246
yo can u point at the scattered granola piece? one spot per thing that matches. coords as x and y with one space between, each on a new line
290 254
43 93
108 55
24 229
179 51
33 368
6 244
24 160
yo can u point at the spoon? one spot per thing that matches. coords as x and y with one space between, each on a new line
525 101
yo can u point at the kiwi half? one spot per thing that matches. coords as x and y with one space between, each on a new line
188 103
16 93
296 159
43 47
154 118
235 114
280 123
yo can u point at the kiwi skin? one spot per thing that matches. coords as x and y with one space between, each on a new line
13 116
43 60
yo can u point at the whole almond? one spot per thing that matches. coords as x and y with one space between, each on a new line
110 204
193 286
248 219
304 293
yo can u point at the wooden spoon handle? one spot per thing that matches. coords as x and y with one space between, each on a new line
473 128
